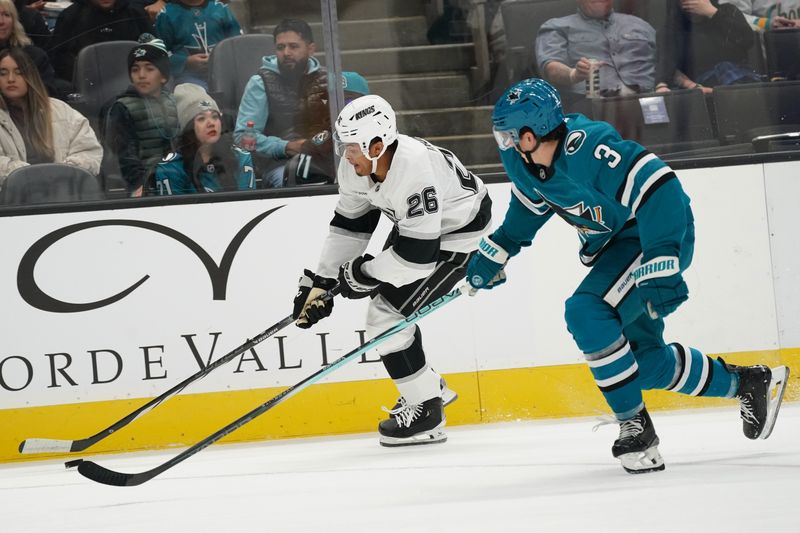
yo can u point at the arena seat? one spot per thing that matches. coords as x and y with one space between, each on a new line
746 111
232 63
101 73
50 183
783 50
686 126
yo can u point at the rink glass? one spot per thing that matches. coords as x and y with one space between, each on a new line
442 65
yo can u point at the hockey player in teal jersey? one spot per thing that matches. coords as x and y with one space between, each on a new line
637 232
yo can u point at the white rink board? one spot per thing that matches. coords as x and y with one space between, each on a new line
519 325
783 193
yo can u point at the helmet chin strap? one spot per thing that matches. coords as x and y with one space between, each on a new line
375 159
540 171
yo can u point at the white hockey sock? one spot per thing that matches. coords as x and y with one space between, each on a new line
420 386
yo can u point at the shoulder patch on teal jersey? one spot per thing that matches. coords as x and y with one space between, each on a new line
574 141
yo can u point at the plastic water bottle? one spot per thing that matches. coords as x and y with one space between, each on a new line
248 139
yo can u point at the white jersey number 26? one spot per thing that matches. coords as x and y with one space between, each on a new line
419 204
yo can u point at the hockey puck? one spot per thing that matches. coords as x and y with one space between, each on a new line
73 463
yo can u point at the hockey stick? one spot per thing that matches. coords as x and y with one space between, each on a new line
103 475
63 446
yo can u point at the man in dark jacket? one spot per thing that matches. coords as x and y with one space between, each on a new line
88 22
33 23
276 100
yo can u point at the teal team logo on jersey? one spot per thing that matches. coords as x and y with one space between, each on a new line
574 141
321 137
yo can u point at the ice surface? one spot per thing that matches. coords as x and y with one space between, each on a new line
551 476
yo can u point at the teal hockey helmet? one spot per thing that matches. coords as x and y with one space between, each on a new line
531 103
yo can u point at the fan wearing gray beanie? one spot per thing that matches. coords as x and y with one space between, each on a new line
204 160
142 122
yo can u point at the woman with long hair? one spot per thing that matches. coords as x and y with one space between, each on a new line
12 35
204 160
35 128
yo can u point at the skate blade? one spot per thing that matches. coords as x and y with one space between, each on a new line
642 462
434 436
777 386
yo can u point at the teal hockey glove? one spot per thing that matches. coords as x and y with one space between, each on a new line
661 286
486 268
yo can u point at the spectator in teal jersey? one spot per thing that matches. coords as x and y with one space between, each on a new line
191 29
205 160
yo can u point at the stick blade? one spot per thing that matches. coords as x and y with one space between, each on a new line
101 474
45 446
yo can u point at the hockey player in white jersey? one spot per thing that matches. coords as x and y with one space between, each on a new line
440 212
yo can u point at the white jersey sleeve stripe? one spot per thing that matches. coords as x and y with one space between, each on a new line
631 178
406 232
393 269
362 210
540 208
338 248
652 180
351 234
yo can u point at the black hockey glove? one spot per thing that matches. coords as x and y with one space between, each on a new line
661 285
310 305
353 283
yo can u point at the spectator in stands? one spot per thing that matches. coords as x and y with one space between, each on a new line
704 44
769 14
191 29
205 161
276 99
35 128
12 34
33 23
142 122
88 22
151 7
315 162
623 46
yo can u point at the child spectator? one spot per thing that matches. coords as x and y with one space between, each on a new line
35 128
143 121
191 29
88 22
203 162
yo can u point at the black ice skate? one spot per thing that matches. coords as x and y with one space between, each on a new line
637 445
760 394
448 396
414 424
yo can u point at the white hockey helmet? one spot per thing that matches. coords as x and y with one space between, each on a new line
361 121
